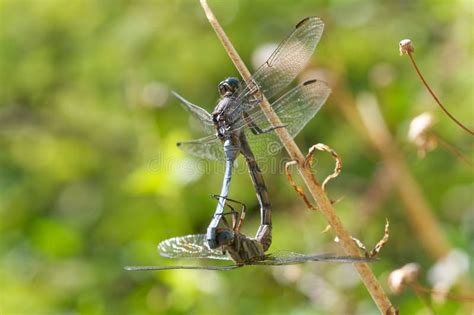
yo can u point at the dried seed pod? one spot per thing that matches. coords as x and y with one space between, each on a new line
400 278
406 47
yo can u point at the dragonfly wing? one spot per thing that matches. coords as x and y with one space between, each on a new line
189 246
291 258
202 116
148 268
295 109
210 148
288 59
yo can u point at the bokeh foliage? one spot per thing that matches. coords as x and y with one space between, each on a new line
91 179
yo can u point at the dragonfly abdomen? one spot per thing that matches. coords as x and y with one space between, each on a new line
245 250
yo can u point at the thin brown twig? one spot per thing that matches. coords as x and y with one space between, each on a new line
409 52
323 202
455 151
426 301
462 298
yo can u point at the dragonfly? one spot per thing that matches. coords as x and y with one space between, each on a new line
237 125
234 246
242 250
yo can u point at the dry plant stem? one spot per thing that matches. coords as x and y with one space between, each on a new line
419 213
426 302
436 98
462 298
455 151
324 204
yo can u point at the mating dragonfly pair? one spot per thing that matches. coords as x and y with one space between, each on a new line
236 126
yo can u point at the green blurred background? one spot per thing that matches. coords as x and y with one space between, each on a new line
91 179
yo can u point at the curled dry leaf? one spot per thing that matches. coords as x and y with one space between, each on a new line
308 162
360 245
377 247
323 147
297 188
382 242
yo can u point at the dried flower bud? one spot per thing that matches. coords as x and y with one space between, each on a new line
406 47
399 278
419 133
419 125
448 271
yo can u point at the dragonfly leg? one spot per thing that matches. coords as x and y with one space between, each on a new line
241 218
237 218
269 129
226 223
255 129
255 92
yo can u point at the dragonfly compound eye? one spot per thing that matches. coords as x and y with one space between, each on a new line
229 86
233 83
225 237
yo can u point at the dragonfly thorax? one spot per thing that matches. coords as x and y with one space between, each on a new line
227 112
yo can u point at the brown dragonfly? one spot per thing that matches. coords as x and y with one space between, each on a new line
234 246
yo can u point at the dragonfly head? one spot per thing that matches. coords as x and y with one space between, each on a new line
225 237
228 87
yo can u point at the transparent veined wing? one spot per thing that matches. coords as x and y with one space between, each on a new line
276 259
151 268
288 59
291 258
295 109
201 115
210 148
189 246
